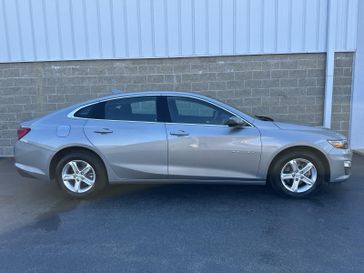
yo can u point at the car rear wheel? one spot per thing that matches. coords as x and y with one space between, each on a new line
81 175
297 174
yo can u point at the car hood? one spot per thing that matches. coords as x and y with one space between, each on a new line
309 129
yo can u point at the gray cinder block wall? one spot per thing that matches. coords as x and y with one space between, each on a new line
342 92
285 87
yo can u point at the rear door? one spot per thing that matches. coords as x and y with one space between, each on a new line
127 132
201 145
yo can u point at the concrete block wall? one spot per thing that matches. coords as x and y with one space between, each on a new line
342 92
285 87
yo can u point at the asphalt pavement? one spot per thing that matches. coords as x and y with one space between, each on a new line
180 228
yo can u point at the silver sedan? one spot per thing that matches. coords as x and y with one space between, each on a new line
175 137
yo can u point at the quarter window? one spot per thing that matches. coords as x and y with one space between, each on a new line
188 110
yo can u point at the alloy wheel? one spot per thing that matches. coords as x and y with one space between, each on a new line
298 175
78 176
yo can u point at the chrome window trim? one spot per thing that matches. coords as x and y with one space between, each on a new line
72 113
205 124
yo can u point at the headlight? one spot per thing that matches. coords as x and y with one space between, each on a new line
340 144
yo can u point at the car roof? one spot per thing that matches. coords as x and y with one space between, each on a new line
142 93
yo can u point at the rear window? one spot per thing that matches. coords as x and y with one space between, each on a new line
132 109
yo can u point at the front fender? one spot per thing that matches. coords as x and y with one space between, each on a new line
273 145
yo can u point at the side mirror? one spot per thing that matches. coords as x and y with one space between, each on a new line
235 122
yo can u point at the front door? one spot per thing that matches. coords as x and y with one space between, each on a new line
200 145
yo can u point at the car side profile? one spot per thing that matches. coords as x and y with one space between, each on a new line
176 137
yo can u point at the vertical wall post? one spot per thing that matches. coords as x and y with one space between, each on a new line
330 59
357 100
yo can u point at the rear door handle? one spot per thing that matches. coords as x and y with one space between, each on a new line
179 133
103 131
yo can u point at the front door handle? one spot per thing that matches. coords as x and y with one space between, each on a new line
103 131
179 133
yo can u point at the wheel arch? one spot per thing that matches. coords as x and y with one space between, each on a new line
62 152
322 157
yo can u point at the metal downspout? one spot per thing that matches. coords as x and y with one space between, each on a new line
330 59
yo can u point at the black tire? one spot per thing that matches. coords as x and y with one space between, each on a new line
279 163
101 179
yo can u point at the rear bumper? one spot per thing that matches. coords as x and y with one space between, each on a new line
32 160
340 164
30 172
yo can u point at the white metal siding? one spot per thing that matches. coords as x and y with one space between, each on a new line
42 30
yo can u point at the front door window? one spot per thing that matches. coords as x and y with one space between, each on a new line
192 111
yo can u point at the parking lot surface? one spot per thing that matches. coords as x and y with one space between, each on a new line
180 228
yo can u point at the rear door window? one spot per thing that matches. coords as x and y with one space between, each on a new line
130 109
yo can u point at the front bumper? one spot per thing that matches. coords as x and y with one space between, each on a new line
340 164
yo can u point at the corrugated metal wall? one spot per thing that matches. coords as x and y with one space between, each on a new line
40 30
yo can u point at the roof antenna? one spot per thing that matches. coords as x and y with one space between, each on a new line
116 91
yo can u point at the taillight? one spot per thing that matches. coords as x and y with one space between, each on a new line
22 131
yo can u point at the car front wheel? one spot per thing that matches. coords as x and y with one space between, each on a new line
81 175
297 174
